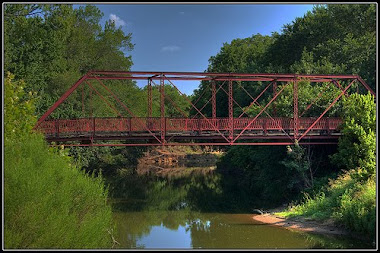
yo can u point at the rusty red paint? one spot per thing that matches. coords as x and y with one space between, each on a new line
163 129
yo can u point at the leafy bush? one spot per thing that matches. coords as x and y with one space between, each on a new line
351 198
347 200
48 201
357 208
357 146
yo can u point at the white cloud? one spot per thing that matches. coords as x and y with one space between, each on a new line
181 12
118 21
170 48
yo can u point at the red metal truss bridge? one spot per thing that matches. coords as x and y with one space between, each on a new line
130 129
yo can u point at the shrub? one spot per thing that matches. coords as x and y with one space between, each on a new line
48 201
349 201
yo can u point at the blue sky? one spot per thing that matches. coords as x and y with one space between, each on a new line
183 37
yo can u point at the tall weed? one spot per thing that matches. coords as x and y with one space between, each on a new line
348 201
49 203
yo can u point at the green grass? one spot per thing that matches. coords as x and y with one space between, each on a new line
49 203
348 201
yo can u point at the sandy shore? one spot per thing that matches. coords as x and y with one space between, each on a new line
301 224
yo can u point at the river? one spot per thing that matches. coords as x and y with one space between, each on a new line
195 212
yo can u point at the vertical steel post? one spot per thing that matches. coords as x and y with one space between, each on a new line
130 125
82 100
149 98
91 105
274 94
213 103
162 104
149 119
56 128
93 128
230 110
295 109
328 125
265 126
213 100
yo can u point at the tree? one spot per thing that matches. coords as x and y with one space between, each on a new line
52 46
298 161
340 37
241 56
357 145
18 108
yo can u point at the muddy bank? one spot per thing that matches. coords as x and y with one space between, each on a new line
327 227
301 224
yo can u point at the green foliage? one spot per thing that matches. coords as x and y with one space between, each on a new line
241 56
347 200
337 38
18 108
106 160
176 105
357 209
51 46
165 195
331 39
351 198
307 94
256 175
299 164
268 176
357 145
48 201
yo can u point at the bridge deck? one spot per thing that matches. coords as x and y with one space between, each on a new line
185 129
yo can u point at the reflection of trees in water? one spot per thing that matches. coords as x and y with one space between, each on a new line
216 230
335 242
182 202
198 192
132 226
240 231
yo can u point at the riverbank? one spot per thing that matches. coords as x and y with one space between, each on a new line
327 227
301 224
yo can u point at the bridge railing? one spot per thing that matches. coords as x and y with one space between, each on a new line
130 125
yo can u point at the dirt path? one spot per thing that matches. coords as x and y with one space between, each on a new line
301 224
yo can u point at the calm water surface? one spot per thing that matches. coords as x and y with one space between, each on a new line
154 213
193 230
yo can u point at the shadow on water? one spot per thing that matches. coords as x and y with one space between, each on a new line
198 211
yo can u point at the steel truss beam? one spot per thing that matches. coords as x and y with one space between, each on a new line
232 137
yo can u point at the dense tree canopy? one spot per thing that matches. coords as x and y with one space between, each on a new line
48 47
331 39
51 46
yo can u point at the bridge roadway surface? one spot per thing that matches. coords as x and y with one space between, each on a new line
182 130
